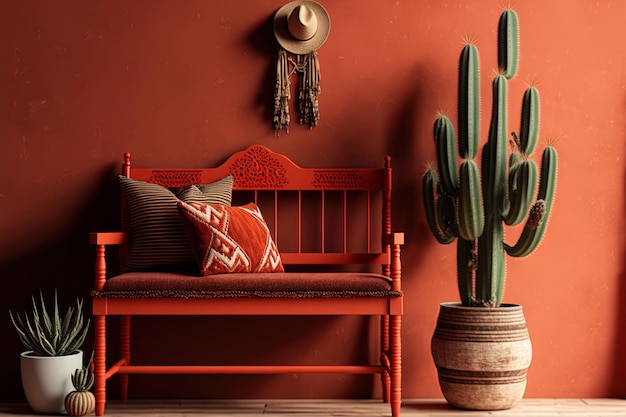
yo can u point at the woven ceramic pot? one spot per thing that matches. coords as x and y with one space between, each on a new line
482 355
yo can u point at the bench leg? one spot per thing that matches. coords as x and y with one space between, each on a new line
396 364
99 362
384 348
124 354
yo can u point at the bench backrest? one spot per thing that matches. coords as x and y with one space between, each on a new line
316 215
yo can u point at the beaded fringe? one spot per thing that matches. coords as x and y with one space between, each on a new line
309 89
241 294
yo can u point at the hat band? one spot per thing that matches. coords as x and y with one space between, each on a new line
303 35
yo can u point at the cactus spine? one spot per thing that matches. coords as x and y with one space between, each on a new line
473 207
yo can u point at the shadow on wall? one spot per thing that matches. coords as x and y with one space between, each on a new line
65 265
410 152
619 383
262 39
227 340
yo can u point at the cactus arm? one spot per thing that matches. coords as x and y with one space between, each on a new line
508 47
537 222
466 265
471 218
469 102
429 188
446 154
522 186
529 127
547 182
496 152
514 160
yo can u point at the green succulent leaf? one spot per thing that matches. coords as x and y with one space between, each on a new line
46 333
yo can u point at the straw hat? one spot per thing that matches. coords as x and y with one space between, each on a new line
301 26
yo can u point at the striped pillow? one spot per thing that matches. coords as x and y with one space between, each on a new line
157 236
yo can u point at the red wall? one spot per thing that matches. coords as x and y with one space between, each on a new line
189 82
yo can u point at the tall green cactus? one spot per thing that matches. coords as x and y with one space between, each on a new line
473 206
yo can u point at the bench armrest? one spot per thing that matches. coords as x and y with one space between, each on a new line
101 239
394 240
107 238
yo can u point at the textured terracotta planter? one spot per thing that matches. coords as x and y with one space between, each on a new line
482 355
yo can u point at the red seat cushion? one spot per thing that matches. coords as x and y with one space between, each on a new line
160 283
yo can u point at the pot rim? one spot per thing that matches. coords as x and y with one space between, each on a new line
29 354
458 305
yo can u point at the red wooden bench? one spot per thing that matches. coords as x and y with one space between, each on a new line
333 218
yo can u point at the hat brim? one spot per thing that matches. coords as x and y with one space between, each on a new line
295 46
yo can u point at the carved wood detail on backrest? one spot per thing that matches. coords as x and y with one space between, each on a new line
175 179
257 168
338 179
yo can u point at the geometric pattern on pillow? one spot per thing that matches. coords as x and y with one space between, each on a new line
157 237
229 239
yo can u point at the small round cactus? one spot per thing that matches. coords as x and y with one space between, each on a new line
81 401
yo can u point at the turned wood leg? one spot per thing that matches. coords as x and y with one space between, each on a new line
99 362
396 365
124 354
384 349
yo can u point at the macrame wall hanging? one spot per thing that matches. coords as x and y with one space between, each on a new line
300 27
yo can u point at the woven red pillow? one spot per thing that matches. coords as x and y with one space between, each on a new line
229 239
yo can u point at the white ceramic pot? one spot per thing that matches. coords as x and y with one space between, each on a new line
47 380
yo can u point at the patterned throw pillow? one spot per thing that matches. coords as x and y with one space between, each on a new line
157 235
229 239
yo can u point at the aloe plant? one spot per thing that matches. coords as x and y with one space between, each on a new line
48 333
472 205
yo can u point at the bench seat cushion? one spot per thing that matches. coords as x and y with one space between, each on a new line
277 284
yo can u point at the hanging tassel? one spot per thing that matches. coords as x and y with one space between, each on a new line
309 91
315 89
302 92
282 94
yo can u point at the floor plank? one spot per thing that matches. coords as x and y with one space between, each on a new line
545 407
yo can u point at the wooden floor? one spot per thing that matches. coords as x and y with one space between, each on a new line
360 408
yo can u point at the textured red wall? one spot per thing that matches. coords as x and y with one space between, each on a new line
189 82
